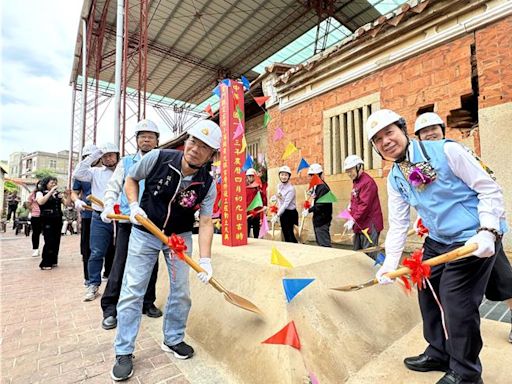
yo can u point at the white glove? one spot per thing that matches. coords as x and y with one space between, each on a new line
79 205
205 263
136 210
305 212
380 275
485 241
107 210
274 219
349 225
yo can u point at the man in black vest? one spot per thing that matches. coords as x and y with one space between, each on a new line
176 184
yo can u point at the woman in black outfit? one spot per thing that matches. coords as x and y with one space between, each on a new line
50 200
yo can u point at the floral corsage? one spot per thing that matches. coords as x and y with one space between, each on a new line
421 175
188 199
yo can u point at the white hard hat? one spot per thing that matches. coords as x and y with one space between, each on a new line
208 132
250 172
379 120
286 169
146 126
110 148
88 149
426 120
315 169
351 161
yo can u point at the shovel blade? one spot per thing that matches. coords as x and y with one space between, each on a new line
356 287
240 302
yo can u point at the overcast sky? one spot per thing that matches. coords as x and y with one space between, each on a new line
38 41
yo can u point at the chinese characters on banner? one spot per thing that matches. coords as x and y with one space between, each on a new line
234 215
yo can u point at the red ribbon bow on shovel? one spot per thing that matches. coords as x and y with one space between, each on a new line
177 244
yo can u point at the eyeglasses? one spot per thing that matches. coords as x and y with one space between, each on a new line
198 144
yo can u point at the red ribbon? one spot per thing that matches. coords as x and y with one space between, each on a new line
273 209
307 204
419 271
419 275
422 230
117 209
177 245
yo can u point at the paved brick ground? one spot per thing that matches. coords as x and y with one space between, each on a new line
49 335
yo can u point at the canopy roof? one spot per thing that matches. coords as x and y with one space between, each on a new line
192 44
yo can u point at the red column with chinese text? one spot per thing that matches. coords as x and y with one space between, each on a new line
234 215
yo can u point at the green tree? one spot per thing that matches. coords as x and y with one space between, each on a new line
44 172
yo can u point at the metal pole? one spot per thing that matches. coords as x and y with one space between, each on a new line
70 160
84 81
118 69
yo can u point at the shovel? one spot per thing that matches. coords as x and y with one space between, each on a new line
458 253
151 227
381 247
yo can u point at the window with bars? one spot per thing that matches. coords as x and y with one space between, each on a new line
252 149
344 134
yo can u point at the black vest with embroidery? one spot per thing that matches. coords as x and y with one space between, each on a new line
170 208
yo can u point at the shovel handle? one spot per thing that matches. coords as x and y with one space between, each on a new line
460 252
151 227
115 216
95 200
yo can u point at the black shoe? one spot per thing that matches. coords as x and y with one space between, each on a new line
152 311
181 351
452 377
425 363
109 322
123 368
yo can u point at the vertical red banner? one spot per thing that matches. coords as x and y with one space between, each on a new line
231 115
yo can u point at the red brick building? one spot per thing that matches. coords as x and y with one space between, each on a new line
451 57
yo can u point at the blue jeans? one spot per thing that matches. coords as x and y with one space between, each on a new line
143 251
101 238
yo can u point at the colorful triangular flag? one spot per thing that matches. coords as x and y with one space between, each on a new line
242 148
256 202
239 131
379 260
345 214
278 134
286 336
208 109
226 82
239 113
266 119
261 100
264 227
293 286
245 82
289 150
278 259
248 163
216 91
315 180
327 198
302 165
365 233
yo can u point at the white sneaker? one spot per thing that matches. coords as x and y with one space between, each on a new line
35 253
91 293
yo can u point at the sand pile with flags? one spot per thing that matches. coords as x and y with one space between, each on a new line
308 330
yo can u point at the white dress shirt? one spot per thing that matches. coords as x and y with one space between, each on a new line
465 167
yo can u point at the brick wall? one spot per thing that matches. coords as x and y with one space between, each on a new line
494 61
439 77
